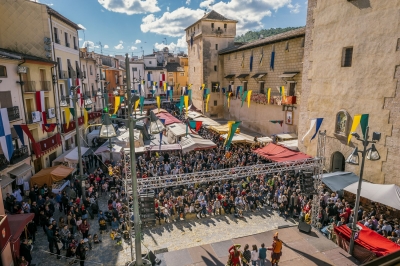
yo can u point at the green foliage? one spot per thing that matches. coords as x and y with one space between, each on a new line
255 35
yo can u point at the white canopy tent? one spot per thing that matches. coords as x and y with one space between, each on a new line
95 133
385 194
265 140
123 139
104 152
207 121
70 157
195 142
240 138
193 114
286 136
290 144
174 131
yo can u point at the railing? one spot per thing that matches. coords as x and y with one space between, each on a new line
18 155
45 85
50 143
66 74
13 113
29 86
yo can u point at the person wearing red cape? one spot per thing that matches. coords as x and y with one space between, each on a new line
276 250
234 256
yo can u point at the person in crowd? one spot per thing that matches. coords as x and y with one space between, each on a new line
25 251
262 255
235 255
276 250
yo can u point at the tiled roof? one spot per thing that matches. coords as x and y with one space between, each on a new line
154 68
271 39
174 67
214 15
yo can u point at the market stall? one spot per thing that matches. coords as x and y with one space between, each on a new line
175 132
70 157
91 136
123 139
194 114
278 153
59 186
240 138
286 136
18 224
104 152
195 142
157 148
222 129
339 180
206 121
169 119
264 140
51 175
290 144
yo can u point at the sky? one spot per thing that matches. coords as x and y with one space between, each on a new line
139 26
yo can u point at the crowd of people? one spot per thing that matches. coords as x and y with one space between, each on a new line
280 192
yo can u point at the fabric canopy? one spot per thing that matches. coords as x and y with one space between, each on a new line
164 147
338 180
290 144
194 142
286 136
177 129
193 114
385 194
60 159
240 138
72 156
264 140
95 133
50 175
17 223
369 240
169 119
105 148
278 153
207 121
156 111
222 129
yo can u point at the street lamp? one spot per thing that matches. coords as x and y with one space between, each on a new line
371 154
63 103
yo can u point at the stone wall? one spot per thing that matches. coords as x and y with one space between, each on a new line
367 87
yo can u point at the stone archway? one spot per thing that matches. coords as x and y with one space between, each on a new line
337 162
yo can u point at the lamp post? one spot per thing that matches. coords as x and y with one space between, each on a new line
107 126
74 98
371 154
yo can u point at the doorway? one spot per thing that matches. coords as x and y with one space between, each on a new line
338 162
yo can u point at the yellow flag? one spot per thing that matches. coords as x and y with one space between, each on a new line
117 101
67 115
230 123
190 85
202 86
155 83
186 101
158 102
207 99
137 104
283 93
269 95
229 99
165 86
356 122
85 117
249 98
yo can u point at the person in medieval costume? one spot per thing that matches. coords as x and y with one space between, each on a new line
276 250
234 256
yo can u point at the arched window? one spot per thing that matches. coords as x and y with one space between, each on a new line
3 71
341 124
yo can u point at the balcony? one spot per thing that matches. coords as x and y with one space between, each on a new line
29 86
13 113
45 85
71 126
50 144
65 74
18 155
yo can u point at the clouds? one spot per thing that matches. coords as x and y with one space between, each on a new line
81 26
188 2
90 45
119 46
130 7
171 23
106 46
138 41
248 13
294 8
133 48
181 45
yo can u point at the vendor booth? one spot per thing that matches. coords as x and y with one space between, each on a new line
264 140
286 137
169 119
70 157
194 143
339 180
194 114
368 245
206 121
240 138
104 152
52 176
91 136
278 153
18 224
222 129
157 148
158 111
290 144
123 139
175 132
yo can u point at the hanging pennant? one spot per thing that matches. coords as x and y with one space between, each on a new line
249 98
117 102
280 122
165 86
283 93
229 98
233 126
170 94
207 100
363 119
20 133
317 122
186 101
67 116
244 96
202 86
85 117
269 95
158 102
137 104
181 104
6 141
190 94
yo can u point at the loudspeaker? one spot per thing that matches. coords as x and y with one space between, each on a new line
304 227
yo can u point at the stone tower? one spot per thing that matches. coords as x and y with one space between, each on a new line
205 37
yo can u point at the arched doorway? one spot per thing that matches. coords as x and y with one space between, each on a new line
338 162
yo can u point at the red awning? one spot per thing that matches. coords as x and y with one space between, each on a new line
279 153
169 119
369 240
17 224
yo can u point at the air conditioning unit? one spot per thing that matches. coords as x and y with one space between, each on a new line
47 48
48 55
51 113
46 40
36 116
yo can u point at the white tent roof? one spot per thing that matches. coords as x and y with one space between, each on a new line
264 140
72 156
207 121
95 133
286 136
241 137
177 129
104 148
195 142
193 114
385 194
290 144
